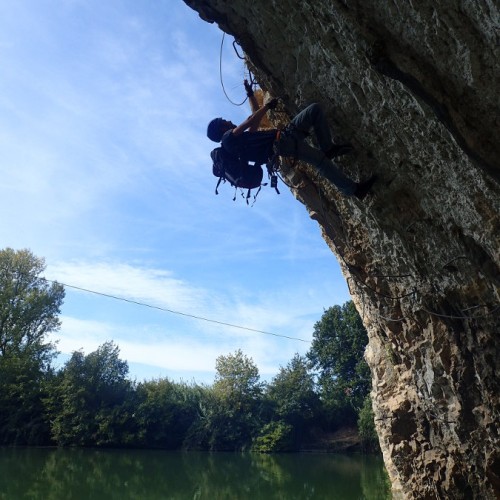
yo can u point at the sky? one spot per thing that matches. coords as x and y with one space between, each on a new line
105 173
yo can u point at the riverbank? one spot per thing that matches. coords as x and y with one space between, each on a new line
344 440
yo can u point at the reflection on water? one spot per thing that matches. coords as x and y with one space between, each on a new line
54 474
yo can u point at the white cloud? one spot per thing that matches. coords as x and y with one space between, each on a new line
188 357
153 286
182 343
263 311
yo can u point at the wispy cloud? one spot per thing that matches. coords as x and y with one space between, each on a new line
145 339
153 286
172 355
263 310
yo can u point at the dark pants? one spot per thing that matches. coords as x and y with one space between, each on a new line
293 143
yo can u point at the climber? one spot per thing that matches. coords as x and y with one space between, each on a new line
247 142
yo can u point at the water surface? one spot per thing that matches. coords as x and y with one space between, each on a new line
83 474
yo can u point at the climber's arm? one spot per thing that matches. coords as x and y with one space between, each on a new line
254 104
252 122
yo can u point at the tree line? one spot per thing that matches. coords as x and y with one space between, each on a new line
91 401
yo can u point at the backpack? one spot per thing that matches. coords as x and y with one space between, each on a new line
238 172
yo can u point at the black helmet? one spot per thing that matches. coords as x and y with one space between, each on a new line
215 130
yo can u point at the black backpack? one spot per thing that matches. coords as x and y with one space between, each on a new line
238 172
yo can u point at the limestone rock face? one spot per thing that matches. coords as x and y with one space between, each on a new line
415 87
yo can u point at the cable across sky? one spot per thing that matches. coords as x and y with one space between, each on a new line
164 309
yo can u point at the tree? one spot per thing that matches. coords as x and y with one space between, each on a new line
274 437
165 412
29 309
339 341
366 426
237 377
230 412
29 306
92 401
292 392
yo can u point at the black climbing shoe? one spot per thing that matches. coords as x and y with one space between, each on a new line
363 188
339 150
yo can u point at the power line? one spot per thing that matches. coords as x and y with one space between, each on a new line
164 309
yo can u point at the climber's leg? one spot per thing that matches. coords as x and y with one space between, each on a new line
290 146
313 117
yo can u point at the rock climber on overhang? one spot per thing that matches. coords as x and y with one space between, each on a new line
250 144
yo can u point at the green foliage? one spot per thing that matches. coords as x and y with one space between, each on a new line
91 400
274 437
230 411
292 393
23 385
339 341
165 412
29 309
204 431
237 378
29 306
366 427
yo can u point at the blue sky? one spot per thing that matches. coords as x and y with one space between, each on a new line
105 173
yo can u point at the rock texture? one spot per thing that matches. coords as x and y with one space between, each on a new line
415 87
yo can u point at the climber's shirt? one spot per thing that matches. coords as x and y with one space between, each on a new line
251 146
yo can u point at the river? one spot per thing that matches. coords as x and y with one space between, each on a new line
87 474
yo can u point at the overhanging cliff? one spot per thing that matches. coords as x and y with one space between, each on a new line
415 87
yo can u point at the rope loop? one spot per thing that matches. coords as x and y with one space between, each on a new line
251 78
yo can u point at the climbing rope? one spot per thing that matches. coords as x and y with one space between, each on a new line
220 72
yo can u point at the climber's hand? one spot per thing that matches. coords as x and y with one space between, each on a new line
248 88
272 104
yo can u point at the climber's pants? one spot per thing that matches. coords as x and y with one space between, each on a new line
293 143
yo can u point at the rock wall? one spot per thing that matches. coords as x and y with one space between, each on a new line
415 87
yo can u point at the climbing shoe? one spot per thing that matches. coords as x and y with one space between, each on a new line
339 150
363 188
